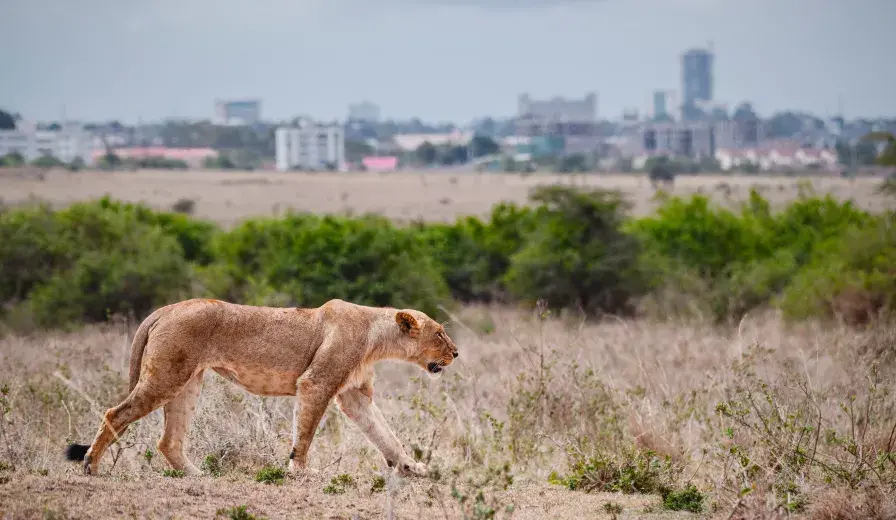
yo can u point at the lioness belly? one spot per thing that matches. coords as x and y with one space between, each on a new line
261 383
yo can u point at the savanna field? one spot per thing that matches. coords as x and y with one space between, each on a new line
725 349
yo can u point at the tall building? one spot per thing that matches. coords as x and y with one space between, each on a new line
310 146
364 111
237 112
574 121
660 104
696 77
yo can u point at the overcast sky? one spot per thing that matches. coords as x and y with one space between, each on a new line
439 60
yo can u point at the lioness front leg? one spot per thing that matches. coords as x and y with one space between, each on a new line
357 404
311 403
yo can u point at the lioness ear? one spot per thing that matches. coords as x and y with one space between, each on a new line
407 323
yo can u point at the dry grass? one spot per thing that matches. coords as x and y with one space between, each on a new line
517 404
228 197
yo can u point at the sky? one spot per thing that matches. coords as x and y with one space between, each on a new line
439 60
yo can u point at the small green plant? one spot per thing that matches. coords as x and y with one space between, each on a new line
270 475
633 472
148 455
338 484
687 499
173 473
613 509
237 513
212 465
378 485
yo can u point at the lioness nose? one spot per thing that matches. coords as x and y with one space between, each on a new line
455 353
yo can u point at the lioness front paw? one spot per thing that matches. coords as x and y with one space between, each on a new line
410 468
300 470
89 468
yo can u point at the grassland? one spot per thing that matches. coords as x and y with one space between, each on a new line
766 419
515 407
228 197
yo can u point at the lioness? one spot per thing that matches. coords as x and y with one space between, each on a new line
311 354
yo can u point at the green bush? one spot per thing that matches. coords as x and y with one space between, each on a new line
310 259
473 256
744 259
89 260
29 251
854 275
194 235
573 248
577 255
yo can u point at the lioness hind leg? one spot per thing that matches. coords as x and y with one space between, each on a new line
178 414
116 420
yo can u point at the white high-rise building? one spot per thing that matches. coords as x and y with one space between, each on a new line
66 144
310 146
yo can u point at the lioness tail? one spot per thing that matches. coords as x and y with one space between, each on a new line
141 338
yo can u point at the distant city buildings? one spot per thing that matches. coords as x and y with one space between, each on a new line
364 111
570 124
696 80
237 112
71 141
661 105
309 146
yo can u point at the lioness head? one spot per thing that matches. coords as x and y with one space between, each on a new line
433 348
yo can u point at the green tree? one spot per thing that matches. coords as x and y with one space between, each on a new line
12 159
426 153
888 156
578 255
484 145
7 121
47 161
357 150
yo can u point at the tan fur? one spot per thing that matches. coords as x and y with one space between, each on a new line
312 355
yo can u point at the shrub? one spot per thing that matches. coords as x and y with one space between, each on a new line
144 270
270 475
473 256
194 235
577 254
311 259
853 276
87 261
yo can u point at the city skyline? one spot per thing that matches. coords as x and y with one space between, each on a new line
434 61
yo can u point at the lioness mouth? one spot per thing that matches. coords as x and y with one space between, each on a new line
434 367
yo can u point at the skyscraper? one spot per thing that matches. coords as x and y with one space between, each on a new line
696 76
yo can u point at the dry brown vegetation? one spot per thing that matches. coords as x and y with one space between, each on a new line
227 197
765 419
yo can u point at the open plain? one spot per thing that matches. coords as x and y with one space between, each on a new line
505 416
228 197
733 411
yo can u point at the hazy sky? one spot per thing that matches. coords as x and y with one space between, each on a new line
439 60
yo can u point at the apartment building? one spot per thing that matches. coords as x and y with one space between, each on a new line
310 146
573 121
71 141
680 138
237 112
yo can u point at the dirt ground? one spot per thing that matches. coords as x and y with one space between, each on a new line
523 394
228 197
79 497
